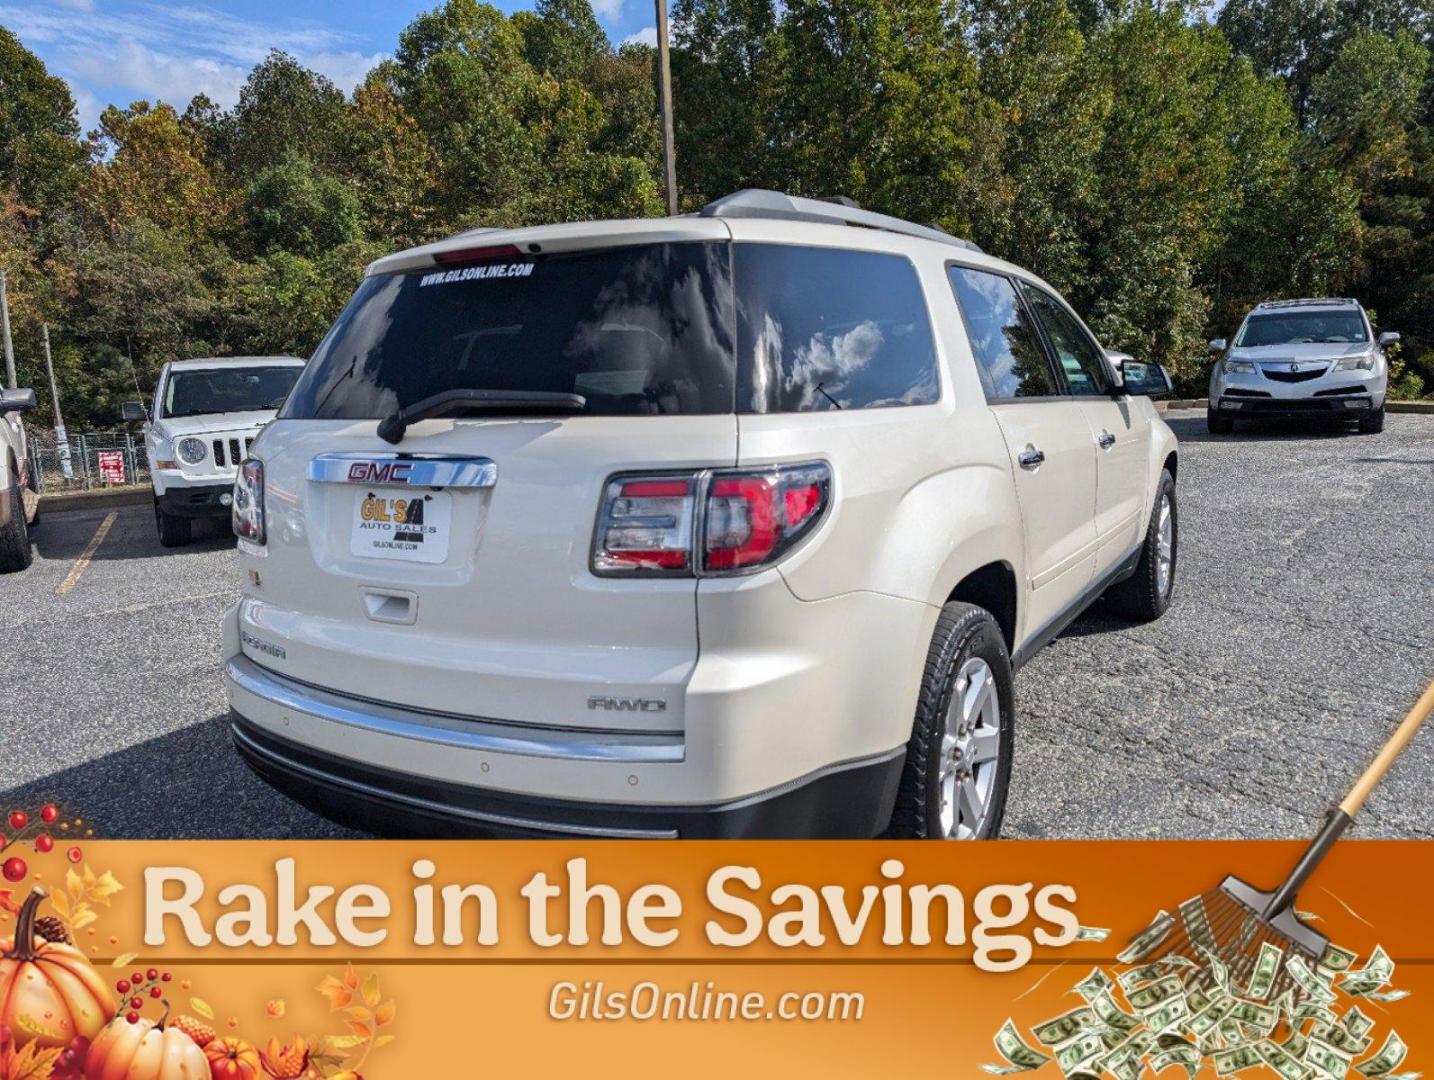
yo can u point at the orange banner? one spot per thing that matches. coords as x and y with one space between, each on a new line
416 958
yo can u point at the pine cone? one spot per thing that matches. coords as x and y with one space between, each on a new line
52 929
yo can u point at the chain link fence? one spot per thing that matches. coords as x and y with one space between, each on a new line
97 459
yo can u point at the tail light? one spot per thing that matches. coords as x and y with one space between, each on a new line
749 518
248 514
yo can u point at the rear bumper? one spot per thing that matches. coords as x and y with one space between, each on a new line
851 800
197 501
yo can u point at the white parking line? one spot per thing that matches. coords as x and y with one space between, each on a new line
83 562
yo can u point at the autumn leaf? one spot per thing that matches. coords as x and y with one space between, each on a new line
340 1042
74 885
359 1013
363 1031
351 979
276 1008
383 1040
33 1063
338 994
123 960
103 888
7 902
371 993
384 1014
84 915
202 1007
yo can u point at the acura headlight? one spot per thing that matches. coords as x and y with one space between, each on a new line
1356 363
1239 367
190 451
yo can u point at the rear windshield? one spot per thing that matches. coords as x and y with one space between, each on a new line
634 330
225 390
652 329
1302 328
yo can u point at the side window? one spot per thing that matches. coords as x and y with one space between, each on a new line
1078 356
1009 355
824 328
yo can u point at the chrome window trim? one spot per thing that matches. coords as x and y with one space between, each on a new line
421 470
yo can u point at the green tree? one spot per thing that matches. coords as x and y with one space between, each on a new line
295 208
41 157
284 109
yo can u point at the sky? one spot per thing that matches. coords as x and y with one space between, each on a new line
118 51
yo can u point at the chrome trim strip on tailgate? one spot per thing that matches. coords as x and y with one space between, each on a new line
408 470
486 736
481 816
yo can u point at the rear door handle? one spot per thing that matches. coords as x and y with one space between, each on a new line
1031 458
1106 440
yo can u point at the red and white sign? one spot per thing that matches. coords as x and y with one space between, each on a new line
111 466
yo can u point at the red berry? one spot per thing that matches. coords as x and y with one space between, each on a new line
132 1017
122 986
165 977
137 978
74 854
19 819
44 843
136 1003
152 974
49 813
155 991
15 869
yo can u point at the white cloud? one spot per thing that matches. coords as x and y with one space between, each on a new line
173 52
646 36
611 10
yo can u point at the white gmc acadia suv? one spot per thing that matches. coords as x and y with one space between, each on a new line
731 524
205 414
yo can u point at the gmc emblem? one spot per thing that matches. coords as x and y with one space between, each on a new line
370 472
627 704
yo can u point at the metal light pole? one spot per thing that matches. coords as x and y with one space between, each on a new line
664 102
5 333
62 440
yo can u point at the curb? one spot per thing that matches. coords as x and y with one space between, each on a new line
1424 407
93 500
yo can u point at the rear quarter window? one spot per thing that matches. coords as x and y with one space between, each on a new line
822 329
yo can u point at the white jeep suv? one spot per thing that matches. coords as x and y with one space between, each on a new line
19 506
730 524
1318 358
205 414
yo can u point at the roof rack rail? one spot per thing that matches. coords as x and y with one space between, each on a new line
836 210
1317 301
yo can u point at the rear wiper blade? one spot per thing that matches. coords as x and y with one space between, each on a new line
463 402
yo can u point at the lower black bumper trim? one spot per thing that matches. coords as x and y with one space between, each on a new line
845 802
196 502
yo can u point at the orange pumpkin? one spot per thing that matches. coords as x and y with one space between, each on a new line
144 1050
49 994
232 1059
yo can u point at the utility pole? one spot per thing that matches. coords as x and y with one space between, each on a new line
62 440
5 333
664 101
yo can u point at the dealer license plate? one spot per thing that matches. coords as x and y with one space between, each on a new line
409 526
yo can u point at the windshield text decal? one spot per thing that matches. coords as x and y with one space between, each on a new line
476 273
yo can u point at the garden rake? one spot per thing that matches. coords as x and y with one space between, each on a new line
1233 922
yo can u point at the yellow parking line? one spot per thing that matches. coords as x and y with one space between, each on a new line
83 562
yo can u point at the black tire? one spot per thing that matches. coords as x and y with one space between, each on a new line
15 553
173 531
1140 596
1217 424
1372 424
963 633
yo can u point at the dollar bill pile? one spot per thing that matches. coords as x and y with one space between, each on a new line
1193 1012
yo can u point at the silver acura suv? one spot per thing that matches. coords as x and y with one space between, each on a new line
1301 358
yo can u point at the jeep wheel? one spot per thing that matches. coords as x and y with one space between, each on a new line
1145 595
958 763
173 531
15 551
1372 424
1217 424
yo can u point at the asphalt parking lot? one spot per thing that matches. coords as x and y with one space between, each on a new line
1300 630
